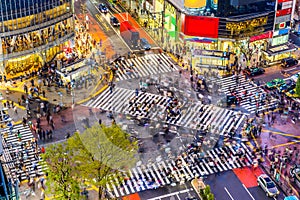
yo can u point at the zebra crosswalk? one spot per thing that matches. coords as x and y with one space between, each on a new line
203 117
20 152
144 66
253 95
152 106
185 168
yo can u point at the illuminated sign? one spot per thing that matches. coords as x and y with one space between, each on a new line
246 26
194 3
283 12
280 40
281 1
286 5
284 18
192 26
201 52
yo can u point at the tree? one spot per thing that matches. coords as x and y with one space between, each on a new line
62 176
103 154
246 50
298 86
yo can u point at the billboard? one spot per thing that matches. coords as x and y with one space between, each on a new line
246 27
283 12
201 26
194 3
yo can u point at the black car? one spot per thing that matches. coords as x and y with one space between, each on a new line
253 71
288 62
103 8
114 21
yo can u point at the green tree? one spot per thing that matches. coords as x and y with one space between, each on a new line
62 179
245 49
298 86
103 155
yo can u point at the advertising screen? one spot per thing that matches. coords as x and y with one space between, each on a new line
201 26
283 12
194 3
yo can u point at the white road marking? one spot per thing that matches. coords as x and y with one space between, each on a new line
228 193
248 192
172 194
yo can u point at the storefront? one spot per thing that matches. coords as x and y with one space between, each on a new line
274 55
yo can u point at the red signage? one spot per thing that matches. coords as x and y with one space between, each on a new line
261 36
283 12
201 26
281 1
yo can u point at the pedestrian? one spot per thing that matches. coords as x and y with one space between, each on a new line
137 92
15 109
44 93
43 135
100 121
52 124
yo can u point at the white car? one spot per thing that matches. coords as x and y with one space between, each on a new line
266 183
295 77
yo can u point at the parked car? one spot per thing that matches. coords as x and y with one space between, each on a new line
253 71
266 183
295 174
144 44
114 21
295 77
103 8
288 62
275 83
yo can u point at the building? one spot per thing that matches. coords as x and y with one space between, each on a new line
217 31
32 32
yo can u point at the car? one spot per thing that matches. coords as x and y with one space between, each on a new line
114 21
295 174
266 183
288 62
144 44
291 198
289 85
295 77
253 71
275 83
103 8
292 93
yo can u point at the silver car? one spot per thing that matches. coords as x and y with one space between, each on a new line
266 183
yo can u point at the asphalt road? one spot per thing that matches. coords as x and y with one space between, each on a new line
119 45
178 192
227 186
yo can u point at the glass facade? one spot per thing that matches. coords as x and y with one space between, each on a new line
32 31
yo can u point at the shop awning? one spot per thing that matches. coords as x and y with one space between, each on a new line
285 48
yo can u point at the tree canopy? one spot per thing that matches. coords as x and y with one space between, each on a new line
101 155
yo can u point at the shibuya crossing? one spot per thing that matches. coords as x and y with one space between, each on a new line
150 99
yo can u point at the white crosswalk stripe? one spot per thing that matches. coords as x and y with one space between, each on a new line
152 106
144 66
184 168
17 148
126 101
201 116
253 92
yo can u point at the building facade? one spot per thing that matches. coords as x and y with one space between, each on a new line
32 32
214 29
